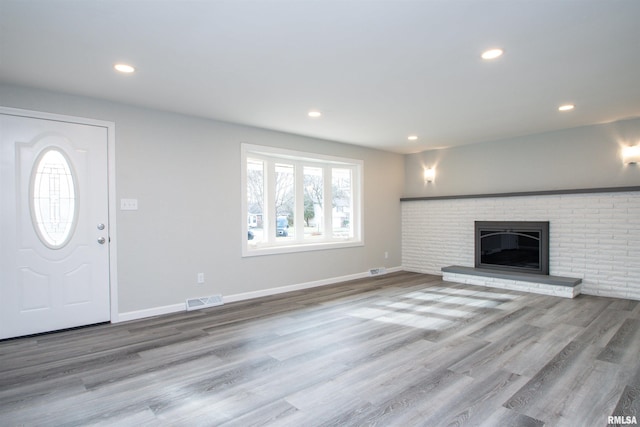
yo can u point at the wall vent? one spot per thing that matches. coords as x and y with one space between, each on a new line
377 271
204 302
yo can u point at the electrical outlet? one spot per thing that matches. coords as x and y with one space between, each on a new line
386 255
200 277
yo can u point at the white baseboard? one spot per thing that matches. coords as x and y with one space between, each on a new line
174 308
150 312
297 287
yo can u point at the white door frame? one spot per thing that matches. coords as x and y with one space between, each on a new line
111 170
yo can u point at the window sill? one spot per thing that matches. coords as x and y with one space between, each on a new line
285 249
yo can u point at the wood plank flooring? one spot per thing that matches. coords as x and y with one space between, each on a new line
403 349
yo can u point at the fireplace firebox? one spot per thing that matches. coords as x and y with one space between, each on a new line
517 246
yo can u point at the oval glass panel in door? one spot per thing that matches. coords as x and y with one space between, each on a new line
53 198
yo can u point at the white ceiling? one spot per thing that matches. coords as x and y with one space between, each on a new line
378 70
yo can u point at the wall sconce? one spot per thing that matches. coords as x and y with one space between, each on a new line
429 175
631 155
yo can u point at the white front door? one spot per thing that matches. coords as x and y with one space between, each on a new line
54 225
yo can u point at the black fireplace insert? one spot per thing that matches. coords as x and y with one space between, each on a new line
518 246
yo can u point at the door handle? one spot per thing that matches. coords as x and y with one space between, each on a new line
101 240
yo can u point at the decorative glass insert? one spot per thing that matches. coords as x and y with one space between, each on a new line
53 198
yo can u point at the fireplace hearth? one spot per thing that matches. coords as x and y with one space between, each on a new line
515 246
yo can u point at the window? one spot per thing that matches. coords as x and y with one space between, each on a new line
297 201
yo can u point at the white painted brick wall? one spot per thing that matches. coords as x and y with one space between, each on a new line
595 237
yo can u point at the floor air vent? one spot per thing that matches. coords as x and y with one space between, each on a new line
204 302
377 271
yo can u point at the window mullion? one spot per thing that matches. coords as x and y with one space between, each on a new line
328 203
270 201
299 201
356 201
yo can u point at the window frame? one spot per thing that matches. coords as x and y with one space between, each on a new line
272 155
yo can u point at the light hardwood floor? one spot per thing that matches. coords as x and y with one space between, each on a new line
402 349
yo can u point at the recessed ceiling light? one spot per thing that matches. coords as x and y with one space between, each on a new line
492 53
314 114
412 137
566 107
124 68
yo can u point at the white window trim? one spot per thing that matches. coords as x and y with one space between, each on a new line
301 159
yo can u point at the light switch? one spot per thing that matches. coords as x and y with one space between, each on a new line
128 204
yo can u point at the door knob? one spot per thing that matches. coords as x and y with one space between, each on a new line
100 226
101 240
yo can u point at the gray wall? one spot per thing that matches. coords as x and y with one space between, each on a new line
585 157
185 173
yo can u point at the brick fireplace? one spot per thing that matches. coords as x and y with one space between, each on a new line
594 234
